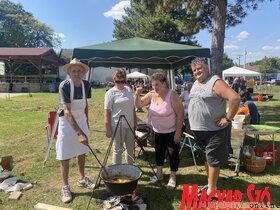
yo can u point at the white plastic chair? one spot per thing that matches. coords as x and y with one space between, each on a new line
187 141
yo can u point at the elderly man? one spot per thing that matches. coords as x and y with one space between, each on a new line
73 130
209 120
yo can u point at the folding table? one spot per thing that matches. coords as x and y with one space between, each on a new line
257 130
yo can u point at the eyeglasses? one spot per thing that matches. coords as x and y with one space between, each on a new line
120 81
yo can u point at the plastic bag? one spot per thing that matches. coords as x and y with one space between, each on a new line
7 183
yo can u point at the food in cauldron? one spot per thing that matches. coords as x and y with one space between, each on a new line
122 179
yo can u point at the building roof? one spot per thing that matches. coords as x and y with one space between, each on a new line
37 56
65 56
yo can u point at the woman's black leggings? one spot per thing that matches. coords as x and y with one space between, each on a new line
163 142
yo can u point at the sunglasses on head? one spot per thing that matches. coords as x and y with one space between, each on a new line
120 81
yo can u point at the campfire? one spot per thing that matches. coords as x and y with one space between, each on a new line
125 202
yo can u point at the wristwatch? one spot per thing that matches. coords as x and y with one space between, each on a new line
228 120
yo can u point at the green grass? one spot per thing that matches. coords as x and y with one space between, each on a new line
22 127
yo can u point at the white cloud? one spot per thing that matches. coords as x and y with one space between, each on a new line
61 36
242 35
117 11
267 47
278 40
231 46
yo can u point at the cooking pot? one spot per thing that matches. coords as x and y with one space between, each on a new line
126 171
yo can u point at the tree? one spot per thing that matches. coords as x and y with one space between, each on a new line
268 65
227 62
19 28
163 25
215 15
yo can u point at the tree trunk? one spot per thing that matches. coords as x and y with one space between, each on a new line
218 36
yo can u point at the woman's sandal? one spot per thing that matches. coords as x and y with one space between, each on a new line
154 179
171 184
200 188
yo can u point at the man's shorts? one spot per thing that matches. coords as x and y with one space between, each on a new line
214 146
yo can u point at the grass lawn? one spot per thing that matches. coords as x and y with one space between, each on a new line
22 127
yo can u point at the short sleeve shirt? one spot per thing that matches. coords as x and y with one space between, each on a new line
64 93
120 102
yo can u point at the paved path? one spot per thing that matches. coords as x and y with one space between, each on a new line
6 95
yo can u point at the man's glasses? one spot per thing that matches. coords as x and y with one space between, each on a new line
120 81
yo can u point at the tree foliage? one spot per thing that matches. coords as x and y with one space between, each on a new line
19 28
213 15
171 25
268 64
227 62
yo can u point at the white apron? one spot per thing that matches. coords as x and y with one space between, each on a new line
67 144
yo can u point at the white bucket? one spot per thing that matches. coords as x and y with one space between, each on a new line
237 125
239 118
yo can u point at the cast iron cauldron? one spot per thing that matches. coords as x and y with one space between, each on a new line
130 171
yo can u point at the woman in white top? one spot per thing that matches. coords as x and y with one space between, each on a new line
119 101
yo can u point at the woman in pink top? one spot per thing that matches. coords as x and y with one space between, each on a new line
166 115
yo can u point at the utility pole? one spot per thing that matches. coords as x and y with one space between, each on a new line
238 57
245 53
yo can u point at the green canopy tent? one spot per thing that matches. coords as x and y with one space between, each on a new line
139 53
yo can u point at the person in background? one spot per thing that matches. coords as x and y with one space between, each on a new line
130 85
119 101
186 100
253 116
242 84
227 81
209 121
73 127
236 85
185 94
166 115
250 85
11 86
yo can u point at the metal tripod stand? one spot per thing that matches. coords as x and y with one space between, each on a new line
98 180
111 144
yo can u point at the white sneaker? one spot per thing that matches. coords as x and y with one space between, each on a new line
66 195
86 183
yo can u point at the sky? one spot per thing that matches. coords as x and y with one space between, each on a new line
88 22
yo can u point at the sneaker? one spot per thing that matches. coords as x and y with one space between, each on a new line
86 183
66 194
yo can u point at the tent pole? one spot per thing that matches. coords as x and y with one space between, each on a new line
89 74
170 76
172 80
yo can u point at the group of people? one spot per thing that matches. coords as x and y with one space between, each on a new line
245 88
240 84
209 121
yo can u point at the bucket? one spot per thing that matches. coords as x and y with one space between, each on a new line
239 118
237 125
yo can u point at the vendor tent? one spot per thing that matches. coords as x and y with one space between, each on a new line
139 53
138 75
240 72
